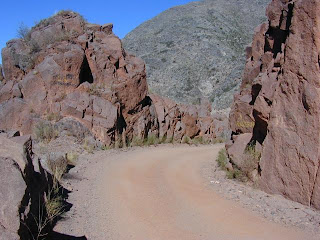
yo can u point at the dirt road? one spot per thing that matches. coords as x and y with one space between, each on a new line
160 194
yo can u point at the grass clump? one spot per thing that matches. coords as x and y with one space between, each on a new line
200 141
222 159
45 131
218 140
231 173
58 167
151 140
186 140
89 147
52 209
72 158
251 162
53 116
136 141
54 205
118 143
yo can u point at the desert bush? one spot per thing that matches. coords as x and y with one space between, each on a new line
89 147
251 162
51 209
53 116
45 131
34 47
54 205
233 173
23 32
222 159
58 167
237 174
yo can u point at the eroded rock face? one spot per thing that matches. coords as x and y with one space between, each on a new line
1 75
71 68
22 187
280 96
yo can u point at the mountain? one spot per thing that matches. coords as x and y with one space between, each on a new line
198 49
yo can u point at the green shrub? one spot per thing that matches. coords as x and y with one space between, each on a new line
233 173
222 159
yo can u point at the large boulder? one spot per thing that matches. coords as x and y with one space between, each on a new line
282 78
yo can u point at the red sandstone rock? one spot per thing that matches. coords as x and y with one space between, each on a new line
79 70
285 100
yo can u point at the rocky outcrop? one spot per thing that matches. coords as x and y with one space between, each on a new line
69 68
197 49
278 104
1 76
179 120
23 186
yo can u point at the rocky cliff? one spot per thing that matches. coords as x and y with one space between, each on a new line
25 185
197 49
276 112
66 67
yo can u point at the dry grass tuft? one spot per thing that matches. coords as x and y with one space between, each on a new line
45 131
72 158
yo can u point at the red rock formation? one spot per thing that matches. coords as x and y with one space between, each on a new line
71 68
279 100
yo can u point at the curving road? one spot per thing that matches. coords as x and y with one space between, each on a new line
160 194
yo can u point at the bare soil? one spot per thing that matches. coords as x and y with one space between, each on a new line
174 192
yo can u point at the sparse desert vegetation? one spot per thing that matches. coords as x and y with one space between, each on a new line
45 131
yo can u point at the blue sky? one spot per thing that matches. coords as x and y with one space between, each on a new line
125 15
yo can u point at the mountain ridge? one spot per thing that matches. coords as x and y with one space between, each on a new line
196 50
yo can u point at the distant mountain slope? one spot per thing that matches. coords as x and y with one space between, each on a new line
197 49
